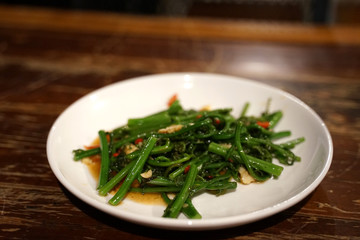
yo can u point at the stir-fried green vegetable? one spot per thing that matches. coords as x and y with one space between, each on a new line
186 152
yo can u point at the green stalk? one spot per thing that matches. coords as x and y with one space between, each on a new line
188 209
116 179
80 153
105 160
259 164
173 210
134 172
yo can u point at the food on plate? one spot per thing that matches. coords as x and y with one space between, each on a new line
180 153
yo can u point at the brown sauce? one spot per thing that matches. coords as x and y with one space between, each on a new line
93 164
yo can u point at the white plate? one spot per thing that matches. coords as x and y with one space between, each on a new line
112 105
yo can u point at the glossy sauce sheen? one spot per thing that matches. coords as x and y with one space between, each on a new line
93 164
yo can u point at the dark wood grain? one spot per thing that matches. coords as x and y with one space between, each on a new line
46 64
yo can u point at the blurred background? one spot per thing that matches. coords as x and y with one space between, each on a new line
300 11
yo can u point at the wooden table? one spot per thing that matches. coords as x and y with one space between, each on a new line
49 59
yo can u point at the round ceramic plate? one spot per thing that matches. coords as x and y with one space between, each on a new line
111 106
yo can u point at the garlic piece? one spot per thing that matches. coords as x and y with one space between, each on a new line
146 174
206 108
171 129
245 177
130 148
226 145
